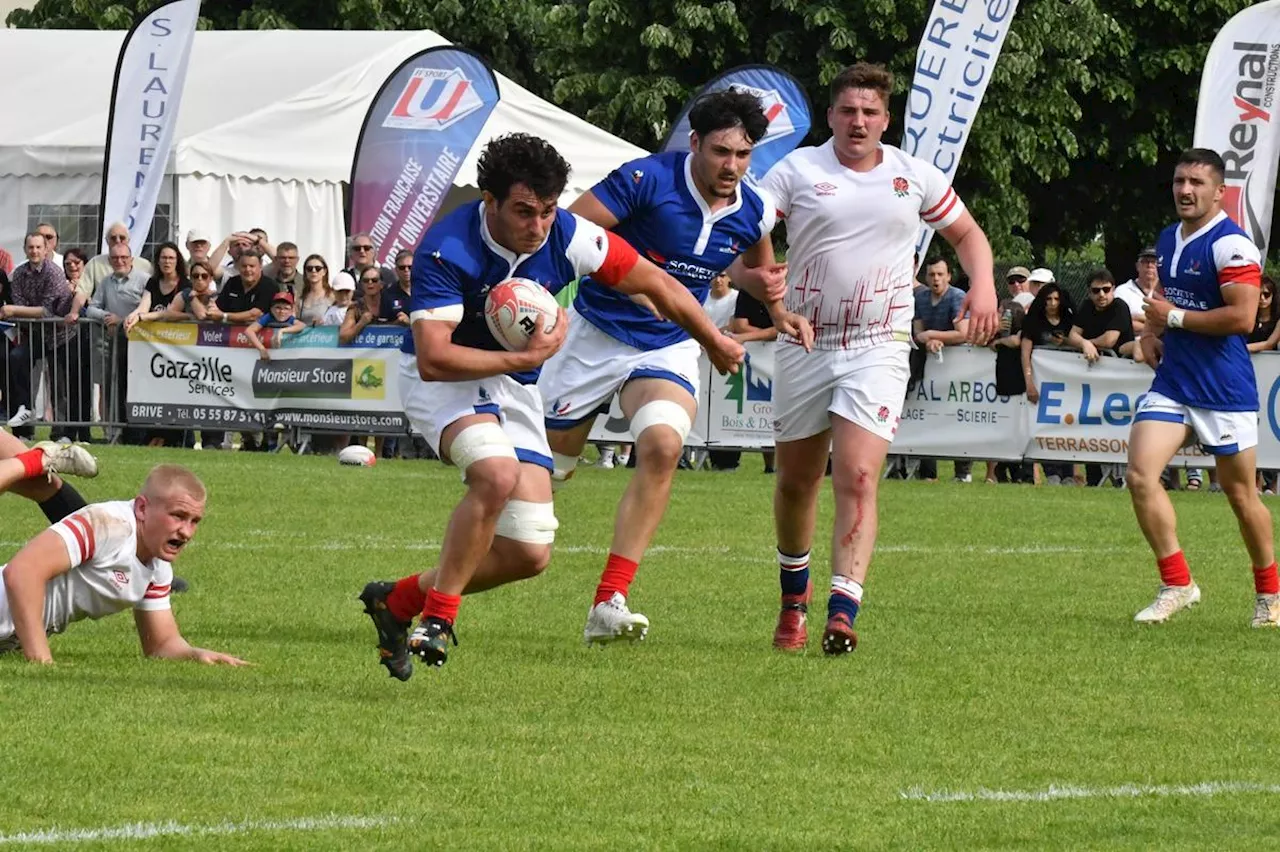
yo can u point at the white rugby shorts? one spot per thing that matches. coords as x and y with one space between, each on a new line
432 406
865 386
1220 433
579 381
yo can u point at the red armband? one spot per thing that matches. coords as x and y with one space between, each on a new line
619 260
1249 274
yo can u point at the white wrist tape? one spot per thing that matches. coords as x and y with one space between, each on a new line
1176 318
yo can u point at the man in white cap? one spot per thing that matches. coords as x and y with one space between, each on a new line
198 247
1016 282
1037 279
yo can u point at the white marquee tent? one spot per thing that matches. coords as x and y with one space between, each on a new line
266 132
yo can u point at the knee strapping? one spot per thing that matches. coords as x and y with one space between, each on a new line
481 441
533 523
661 412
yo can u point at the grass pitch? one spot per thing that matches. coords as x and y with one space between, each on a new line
1001 696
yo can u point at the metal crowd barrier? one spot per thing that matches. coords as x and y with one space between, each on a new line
71 376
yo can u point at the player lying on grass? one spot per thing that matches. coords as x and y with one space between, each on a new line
102 559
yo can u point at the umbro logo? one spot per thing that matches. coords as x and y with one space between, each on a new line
825 188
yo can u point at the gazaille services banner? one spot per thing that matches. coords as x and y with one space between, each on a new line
210 375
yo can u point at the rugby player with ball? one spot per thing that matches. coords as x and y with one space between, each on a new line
469 373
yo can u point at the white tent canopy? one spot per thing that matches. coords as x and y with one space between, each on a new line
266 131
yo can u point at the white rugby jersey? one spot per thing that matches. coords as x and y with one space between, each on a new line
852 237
105 576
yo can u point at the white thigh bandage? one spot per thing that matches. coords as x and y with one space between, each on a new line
563 467
481 441
661 412
522 520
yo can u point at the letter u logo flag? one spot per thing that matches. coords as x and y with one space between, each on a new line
433 99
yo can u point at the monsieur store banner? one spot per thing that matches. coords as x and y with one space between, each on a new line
187 374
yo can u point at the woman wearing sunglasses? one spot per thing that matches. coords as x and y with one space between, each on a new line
317 296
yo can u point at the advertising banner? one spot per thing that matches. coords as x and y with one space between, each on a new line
1235 115
957 55
145 96
784 102
210 375
420 127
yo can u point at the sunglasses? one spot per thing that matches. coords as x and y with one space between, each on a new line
201 276
406 267
1097 290
370 280
1266 295
1018 279
362 248
50 236
315 269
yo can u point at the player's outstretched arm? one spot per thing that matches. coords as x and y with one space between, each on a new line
974 252
674 301
160 637
441 360
25 579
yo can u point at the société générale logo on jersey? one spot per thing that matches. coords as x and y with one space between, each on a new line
433 99
775 109
901 187
681 268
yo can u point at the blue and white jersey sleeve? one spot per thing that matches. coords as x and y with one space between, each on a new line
437 290
587 247
1237 260
628 188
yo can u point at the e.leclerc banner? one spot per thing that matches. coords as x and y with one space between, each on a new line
784 103
954 63
420 127
146 93
1236 117
210 375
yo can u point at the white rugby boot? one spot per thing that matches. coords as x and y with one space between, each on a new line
609 621
1169 600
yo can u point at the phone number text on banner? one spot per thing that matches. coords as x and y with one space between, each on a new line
188 374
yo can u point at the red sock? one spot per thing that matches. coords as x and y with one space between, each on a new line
616 577
407 599
1174 570
32 463
441 606
1266 581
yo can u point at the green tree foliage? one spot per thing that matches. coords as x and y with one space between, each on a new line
1085 113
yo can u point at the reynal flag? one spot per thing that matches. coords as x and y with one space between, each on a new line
1235 115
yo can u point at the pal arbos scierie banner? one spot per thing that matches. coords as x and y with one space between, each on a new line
419 129
1236 116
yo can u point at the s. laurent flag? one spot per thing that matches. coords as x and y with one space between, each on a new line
419 128
784 103
150 75
1236 114
954 62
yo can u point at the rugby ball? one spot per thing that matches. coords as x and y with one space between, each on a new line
357 456
513 310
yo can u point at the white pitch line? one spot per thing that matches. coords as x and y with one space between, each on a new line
148 830
1055 792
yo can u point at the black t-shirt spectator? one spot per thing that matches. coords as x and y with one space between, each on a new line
232 299
161 300
395 301
1261 329
1009 378
1114 317
752 310
1046 333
